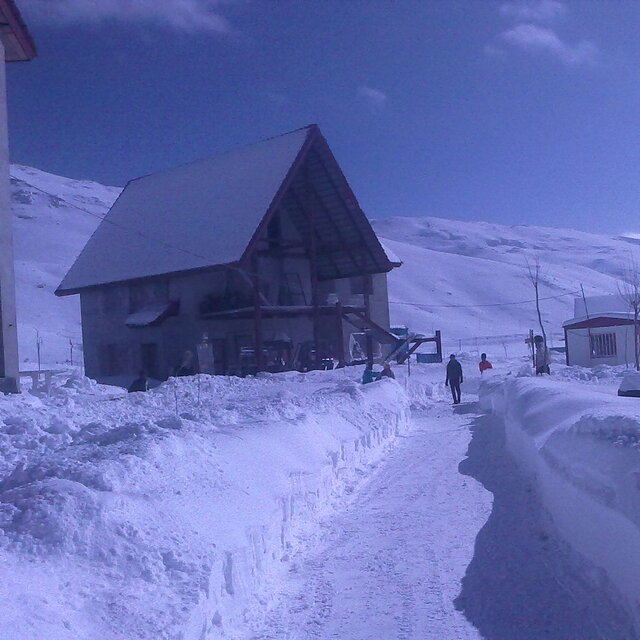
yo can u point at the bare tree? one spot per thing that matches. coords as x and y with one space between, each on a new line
534 275
629 292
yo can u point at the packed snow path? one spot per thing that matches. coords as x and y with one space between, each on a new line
390 566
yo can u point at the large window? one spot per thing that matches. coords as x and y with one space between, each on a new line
603 345
361 285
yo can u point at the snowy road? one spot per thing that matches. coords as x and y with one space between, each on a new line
391 565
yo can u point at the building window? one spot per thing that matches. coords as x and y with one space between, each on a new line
145 293
361 285
603 345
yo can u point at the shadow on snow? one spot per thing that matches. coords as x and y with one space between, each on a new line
523 583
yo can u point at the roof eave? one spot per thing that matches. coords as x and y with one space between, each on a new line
17 41
61 291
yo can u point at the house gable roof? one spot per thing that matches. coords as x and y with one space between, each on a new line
194 216
212 212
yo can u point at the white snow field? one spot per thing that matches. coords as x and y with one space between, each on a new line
53 219
469 279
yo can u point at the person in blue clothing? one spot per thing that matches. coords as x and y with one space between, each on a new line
368 375
454 378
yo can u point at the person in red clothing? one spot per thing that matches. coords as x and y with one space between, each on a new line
484 364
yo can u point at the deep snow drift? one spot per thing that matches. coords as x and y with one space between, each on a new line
169 514
582 449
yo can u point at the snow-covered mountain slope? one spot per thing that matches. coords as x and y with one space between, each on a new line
53 218
468 279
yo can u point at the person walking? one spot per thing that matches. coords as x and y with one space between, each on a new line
454 378
484 364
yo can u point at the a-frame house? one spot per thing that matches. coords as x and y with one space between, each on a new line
257 259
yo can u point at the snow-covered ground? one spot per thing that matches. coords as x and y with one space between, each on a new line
581 451
258 508
170 514
285 506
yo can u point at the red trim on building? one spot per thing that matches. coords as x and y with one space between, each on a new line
19 45
595 323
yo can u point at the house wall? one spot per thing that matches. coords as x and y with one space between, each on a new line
579 349
283 281
113 351
8 330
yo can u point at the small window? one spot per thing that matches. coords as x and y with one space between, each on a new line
361 285
603 345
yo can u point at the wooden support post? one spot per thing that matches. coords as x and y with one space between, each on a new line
340 335
257 316
313 267
439 344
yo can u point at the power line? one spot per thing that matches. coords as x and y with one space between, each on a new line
469 306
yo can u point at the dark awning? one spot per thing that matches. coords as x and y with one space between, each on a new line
152 314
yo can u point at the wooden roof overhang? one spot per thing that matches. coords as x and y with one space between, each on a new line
16 39
325 212
61 293
281 311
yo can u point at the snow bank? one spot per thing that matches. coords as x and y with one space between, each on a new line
171 514
582 447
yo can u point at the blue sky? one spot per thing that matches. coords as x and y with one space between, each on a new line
508 111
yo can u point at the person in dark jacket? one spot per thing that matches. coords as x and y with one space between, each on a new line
387 372
454 378
141 383
368 375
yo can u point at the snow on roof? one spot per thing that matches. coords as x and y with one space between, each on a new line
391 256
194 216
151 314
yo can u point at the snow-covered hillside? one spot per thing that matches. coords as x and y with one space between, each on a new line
467 279
470 279
54 217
